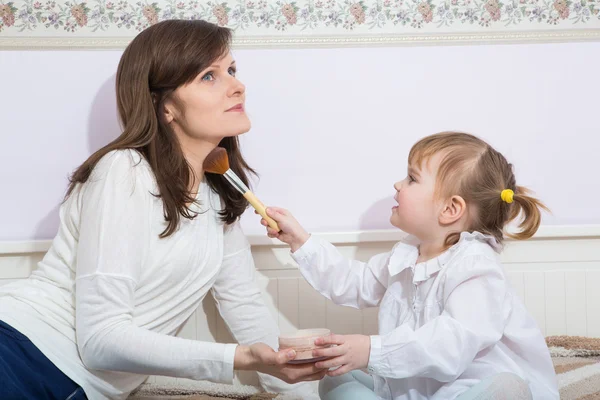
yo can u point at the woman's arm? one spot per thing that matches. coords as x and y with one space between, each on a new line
240 303
115 228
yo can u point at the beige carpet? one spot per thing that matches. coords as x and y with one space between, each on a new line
577 365
202 397
202 390
262 396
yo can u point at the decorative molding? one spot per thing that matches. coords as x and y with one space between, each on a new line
111 24
547 232
309 41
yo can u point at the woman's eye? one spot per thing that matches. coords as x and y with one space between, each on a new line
209 76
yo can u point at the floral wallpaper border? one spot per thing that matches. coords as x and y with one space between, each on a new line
112 23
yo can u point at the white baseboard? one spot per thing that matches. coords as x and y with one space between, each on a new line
556 273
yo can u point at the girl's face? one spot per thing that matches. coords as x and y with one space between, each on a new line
418 209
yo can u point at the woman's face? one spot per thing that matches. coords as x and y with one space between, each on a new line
210 107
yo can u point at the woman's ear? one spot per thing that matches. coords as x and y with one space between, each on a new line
168 111
453 210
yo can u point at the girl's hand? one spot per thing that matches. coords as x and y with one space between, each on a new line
291 231
349 353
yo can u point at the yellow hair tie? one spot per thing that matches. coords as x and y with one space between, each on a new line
507 195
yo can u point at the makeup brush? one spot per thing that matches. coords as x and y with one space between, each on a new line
217 162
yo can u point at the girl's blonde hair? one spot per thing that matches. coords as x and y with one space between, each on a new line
472 169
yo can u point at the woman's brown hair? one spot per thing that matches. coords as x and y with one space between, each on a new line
160 59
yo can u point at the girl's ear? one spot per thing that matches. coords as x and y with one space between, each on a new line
453 210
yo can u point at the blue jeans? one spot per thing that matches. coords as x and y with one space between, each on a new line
356 385
26 373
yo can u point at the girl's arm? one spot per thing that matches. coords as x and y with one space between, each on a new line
344 281
475 310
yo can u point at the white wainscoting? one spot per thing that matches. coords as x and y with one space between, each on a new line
556 273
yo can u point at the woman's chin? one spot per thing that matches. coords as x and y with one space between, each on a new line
239 130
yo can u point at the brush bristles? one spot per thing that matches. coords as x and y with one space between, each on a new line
217 161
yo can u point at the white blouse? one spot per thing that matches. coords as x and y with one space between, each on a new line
107 299
444 324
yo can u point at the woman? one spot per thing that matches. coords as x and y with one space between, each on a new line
143 236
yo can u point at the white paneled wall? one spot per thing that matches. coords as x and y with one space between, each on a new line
557 274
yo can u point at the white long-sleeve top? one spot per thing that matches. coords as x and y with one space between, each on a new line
444 324
107 299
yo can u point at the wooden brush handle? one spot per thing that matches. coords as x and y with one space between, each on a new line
258 206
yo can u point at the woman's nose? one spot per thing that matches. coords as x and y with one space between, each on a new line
237 87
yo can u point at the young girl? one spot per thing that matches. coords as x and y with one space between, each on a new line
450 325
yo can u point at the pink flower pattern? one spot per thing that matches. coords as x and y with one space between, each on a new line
301 15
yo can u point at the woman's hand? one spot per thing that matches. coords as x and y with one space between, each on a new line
262 358
291 231
349 353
